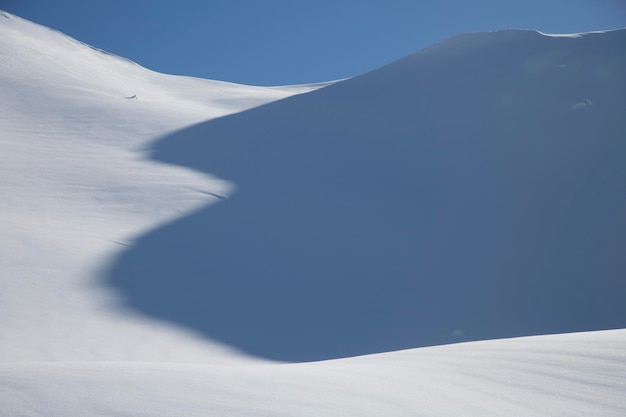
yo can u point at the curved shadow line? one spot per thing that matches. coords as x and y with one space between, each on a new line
427 202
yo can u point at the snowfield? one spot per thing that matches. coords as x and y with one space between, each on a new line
563 375
178 246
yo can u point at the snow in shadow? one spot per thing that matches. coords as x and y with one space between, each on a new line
452 195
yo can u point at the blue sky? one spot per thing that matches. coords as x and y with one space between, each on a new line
275 42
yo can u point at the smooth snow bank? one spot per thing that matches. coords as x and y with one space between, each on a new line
76 189
577 375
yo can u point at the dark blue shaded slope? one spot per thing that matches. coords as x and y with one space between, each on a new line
474 190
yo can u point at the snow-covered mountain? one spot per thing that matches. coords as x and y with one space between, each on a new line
474 190
164 236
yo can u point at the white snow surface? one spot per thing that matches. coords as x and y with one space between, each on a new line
78 188
565 375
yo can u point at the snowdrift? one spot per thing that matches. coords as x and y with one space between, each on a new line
574 375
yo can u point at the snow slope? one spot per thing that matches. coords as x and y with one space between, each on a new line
77 188
95 232
474 190
561 375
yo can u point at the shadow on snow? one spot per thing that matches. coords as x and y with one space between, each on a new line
449 196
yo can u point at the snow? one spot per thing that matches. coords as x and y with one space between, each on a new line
77 189
471 191
573 375
453 195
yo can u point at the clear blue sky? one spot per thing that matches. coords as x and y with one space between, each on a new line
272 42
